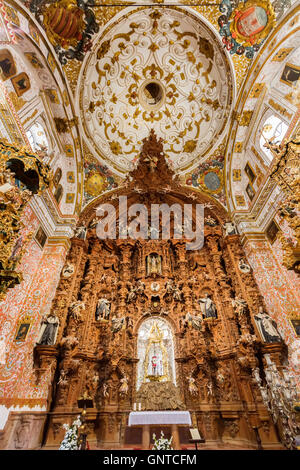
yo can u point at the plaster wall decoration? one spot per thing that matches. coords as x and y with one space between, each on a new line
159 69
245 26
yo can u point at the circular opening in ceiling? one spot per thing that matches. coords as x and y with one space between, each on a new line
151 95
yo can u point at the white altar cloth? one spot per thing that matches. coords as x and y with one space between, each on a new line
137 418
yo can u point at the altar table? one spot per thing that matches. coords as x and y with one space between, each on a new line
147 418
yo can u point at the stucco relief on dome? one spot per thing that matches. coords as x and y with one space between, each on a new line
160 69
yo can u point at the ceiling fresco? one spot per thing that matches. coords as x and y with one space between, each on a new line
160 69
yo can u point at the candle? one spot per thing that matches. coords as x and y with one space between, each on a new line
134 406
140 407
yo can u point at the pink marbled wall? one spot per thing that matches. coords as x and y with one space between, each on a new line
41 270
280 289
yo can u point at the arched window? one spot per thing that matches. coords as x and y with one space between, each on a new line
273 129
37 138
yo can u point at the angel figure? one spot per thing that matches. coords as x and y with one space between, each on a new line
152 162
194 320
75 308
140 287
94 223
117 324
131 294
192 387
62 378
240 305
124 386
80 232
209 389
105 391
169 287
177 294
210 221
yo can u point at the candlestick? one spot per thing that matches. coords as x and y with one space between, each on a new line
134 406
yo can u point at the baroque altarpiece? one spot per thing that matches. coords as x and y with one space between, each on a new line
145 322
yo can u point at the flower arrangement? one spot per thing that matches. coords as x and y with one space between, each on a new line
70 441
162 443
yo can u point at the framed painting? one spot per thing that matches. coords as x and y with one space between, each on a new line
250 191
295 322
272 231
41 237
250 172
7 65
58 193
290 74
57 177
23 329
21 83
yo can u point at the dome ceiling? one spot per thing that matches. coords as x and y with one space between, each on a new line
162 69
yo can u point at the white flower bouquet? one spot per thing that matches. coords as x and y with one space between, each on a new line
162 443
70 441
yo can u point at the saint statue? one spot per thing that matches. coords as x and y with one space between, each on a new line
129 323
103 309
153 264
267 327
49 330
208 307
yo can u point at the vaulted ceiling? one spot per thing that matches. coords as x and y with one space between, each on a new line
97 79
